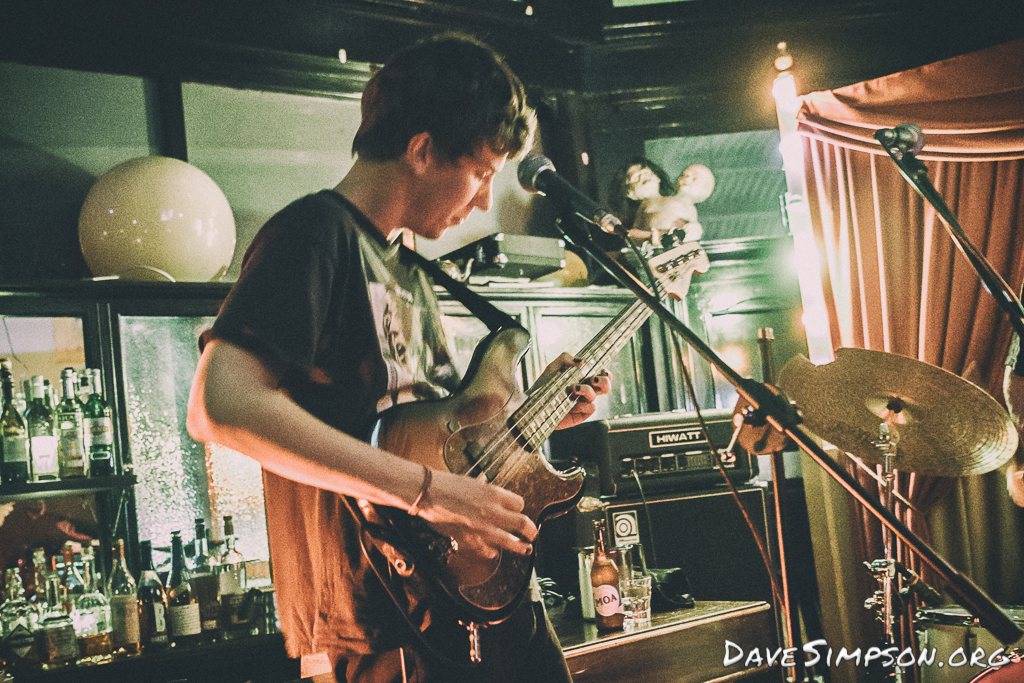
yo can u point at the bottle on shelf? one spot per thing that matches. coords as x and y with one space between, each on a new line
185 625
206 581
604 577
153 633
56 640
14 445
42 431
72 458
40 567
91 615
19 620
124 604
232 563
72 584
83 385
99 426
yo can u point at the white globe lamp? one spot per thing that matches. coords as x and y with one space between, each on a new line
157 218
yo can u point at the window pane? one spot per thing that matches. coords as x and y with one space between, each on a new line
180 479
266 149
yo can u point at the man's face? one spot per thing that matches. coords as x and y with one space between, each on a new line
452 189
642 183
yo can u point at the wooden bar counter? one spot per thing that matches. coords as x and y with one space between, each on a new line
684 646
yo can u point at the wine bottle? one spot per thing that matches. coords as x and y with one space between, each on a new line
72 459
98 426
153 601
232 563
42 431
124 604
604 577
206 581
182 605
14 445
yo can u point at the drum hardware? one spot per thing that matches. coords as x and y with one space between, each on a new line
955 638
874 475
884 570
872 404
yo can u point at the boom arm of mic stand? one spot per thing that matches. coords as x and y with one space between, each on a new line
784 416
917 175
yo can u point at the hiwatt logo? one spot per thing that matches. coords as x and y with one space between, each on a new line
673 437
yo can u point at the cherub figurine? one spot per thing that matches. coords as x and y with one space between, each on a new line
658 216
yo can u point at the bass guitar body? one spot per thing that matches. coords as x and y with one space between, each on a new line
474 433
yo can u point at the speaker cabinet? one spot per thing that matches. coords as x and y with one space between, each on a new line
705 533
702 532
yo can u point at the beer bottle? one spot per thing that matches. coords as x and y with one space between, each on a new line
604 577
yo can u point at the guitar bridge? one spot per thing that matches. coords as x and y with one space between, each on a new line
441 546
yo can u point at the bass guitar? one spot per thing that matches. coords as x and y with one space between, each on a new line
491 428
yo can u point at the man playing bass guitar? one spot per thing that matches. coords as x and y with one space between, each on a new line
329 325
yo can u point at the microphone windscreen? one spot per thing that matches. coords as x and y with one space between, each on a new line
529 168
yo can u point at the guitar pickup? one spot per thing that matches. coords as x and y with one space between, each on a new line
476 454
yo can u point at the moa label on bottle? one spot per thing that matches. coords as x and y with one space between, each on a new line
606 600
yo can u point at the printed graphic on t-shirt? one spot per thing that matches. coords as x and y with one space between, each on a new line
395 314
412 343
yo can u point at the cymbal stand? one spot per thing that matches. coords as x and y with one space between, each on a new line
884 570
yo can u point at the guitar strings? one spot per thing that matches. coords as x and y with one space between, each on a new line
502 451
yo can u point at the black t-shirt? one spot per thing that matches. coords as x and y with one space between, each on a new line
356 331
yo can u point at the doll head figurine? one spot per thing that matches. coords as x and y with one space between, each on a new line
633 182
696 183
676 215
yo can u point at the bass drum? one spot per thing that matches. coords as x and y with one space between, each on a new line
952 629
1008 673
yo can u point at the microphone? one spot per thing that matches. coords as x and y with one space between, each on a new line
537 174
906 138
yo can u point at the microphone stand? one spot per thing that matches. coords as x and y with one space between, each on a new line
916 174
784 416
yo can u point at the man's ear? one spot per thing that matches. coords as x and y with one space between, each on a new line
420 151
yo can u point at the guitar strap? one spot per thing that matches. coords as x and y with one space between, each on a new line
492 316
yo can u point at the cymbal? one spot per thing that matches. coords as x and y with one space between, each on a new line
941 424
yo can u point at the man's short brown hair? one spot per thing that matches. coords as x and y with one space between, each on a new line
453 87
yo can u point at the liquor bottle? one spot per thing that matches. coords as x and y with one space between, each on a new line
232 563
72 583
14 458
99 427
91 615
42 431
182 605
206 581
55 637
153 603
19 620
72 459
124 604
604 577
40 566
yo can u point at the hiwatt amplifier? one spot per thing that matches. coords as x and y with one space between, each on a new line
668 451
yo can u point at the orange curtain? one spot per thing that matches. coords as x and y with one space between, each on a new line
893 279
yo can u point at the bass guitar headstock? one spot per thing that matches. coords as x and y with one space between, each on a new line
674 266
